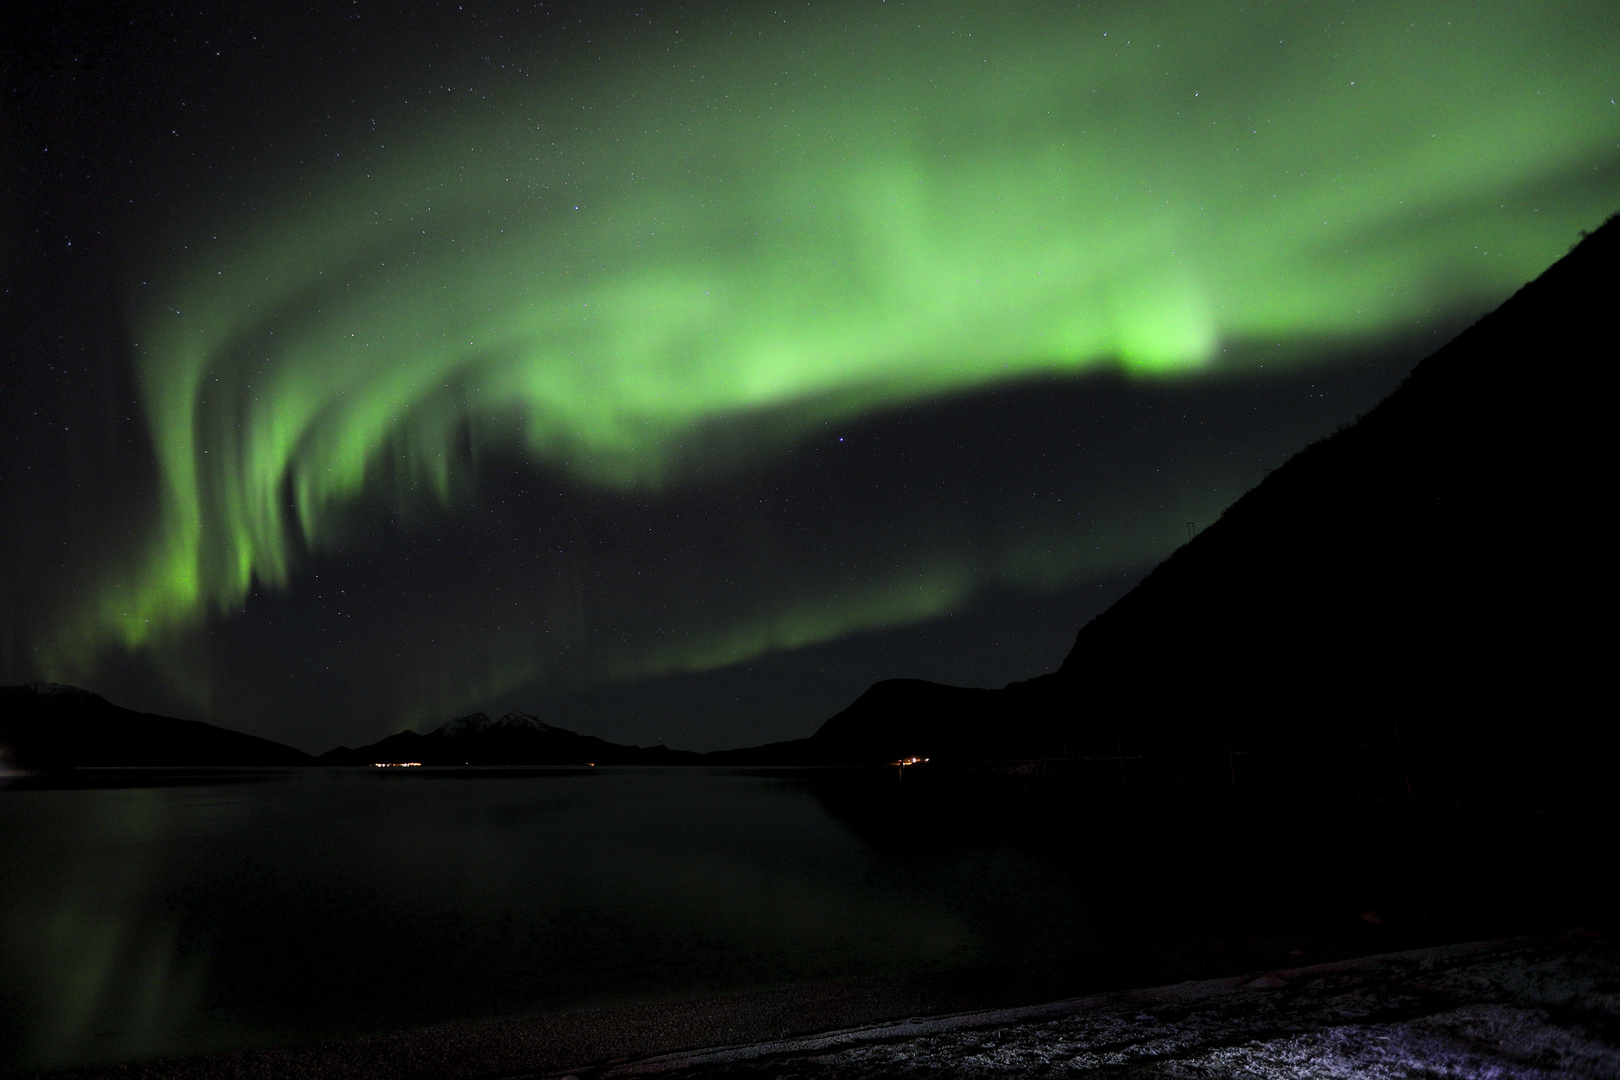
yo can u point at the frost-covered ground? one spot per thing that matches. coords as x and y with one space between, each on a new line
1540 1009
1508 1010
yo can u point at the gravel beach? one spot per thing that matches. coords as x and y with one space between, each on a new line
1542 1007
1532 1008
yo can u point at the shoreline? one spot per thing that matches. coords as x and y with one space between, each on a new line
851 1027
1526 1007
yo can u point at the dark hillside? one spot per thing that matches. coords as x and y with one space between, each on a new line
46 726
515 739
893 719
1409 602
1429 575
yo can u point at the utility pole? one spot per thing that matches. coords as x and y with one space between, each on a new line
1192 527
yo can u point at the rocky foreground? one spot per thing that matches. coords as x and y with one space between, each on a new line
1526 1009
1531 1009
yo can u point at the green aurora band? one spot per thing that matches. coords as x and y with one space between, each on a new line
813 222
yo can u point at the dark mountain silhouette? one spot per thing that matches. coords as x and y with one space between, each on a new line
515 739
1411 602
48 726
1424 576
896 719
1418 596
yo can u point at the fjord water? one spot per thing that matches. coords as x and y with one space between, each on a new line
161 912
254 908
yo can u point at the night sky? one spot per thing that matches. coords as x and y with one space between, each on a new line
675 372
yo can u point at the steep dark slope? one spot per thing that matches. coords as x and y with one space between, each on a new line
45 726
1437 566
1424 591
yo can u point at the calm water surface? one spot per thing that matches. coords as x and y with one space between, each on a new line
297 905
148 912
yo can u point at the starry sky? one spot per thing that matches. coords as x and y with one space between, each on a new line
676 371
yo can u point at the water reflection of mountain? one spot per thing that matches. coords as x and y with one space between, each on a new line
1228 864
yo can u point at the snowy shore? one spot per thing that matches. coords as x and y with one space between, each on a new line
1540 1008
1532 1008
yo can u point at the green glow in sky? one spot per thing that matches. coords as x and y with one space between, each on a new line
818 221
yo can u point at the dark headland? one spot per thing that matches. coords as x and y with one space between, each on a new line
1412 603
46 726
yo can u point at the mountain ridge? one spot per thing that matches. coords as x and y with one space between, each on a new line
1407 586
517 738
48 726
1403 593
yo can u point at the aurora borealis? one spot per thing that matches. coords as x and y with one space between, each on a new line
489 362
